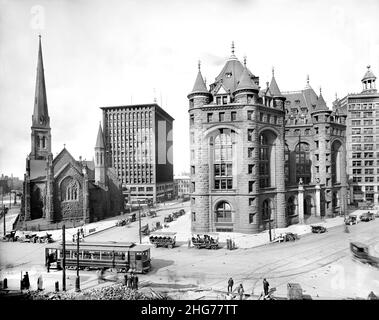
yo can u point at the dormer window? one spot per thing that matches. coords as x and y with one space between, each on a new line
228 74
297 101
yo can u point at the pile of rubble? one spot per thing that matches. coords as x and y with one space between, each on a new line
112 292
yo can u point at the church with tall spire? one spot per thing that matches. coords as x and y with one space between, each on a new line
258 155
62 188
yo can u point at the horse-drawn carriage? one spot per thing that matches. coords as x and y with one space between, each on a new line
151 214
163 239
205 240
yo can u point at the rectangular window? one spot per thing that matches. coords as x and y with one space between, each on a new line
218 100
191 103
192 137
221 116
251 167
251 186
250 134
192 169
355 122
193 216
250 115
367 122
261 116
233 116
251 202
209 117
192 119
250 152
224 100
192 186
251 217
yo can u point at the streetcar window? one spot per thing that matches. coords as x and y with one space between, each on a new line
138 255
106 255
119 255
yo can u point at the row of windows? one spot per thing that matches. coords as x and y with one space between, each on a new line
357 147
364 106
366 155
365 130
365 122
365 139
367 163
366 171
367 179
114 115
357 114
221 116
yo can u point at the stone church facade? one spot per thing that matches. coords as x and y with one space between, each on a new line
249 169
63 188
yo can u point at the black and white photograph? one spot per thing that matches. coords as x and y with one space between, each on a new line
214 152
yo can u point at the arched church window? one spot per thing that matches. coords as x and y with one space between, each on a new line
303 163
70 189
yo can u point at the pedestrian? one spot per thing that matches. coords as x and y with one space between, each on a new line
241 291
230 284
136 282
265 286
125 279
40 283
133 281
26 281
129 282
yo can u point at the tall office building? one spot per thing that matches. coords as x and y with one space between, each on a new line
139 145
362 111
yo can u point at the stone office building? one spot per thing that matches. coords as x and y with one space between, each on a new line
63 188
254 160
362 111
139 146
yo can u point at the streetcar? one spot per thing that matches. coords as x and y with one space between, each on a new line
122 256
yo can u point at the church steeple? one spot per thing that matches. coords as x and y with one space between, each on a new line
41 136
40 115
100 157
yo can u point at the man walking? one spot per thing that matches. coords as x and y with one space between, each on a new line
265 286
241 291
136 282
230 284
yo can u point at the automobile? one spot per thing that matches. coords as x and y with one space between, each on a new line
318 229
350 220
10 236
367 216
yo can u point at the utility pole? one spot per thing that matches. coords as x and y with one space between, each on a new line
269 224
64 258
139 218
77 283
2 202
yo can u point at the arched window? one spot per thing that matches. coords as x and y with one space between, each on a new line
69 189
336 162
266 209
97 158
303 163
223 160
223 212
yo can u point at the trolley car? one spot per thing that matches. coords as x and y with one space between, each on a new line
121 256
163 239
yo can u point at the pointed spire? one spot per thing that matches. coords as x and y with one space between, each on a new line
307 85
321 104
232 57
245 82
40 114
100 138
199 86
274 88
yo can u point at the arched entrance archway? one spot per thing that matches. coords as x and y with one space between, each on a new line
223 217
309 207
36 207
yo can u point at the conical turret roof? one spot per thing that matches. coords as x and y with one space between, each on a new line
321 104
245 82
274 89
100 138
40 114
199 86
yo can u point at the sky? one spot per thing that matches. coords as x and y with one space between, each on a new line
104 53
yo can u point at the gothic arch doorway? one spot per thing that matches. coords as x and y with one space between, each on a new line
36 206
309 207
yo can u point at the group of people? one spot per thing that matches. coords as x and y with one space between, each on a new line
241 290
131 281
25 282
206 238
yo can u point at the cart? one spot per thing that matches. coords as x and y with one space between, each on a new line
163 239
205 240
318 229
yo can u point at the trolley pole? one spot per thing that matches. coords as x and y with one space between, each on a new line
77 282
64 258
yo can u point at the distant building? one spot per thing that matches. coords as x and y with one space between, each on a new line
182 185
257 160
138 141
362 111
64 188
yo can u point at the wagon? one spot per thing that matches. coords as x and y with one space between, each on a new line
367 216
205 240
350 220
163 239
361 253
318 229
46 238
168 218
